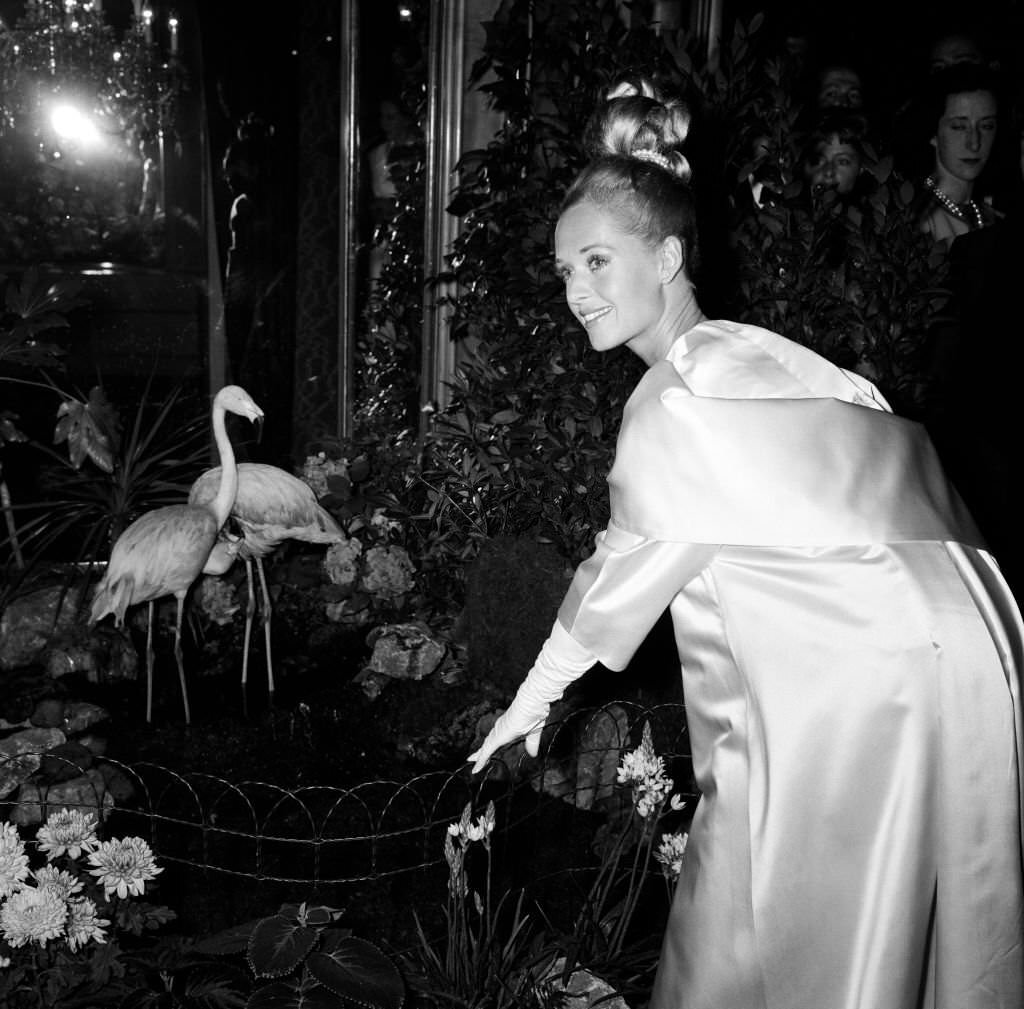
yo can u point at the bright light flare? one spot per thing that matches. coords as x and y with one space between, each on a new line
74 127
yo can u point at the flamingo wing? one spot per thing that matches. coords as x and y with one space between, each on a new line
161 553
272 506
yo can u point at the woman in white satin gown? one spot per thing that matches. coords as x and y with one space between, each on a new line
850 652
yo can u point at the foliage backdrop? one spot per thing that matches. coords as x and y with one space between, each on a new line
528 438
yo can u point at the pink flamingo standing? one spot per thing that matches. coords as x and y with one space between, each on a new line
165 550
271 506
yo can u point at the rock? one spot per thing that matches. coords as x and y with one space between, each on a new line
119 785
100 655
22 689
598 753
353 611
21 755
66 761
405 651
68 659
15 770
583 989
371 683
88 793
48 714
81 715
96 745
30 622
32 740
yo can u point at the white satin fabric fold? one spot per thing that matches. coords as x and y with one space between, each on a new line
851 660
854 724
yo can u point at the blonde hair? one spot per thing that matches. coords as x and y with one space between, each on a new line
637 171
637 120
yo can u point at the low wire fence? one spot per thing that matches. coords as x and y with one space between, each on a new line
232 848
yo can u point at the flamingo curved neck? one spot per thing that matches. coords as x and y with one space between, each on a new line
222 504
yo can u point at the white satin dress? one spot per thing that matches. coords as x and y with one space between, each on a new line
850 660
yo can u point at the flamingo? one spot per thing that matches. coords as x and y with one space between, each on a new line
271 506
165 550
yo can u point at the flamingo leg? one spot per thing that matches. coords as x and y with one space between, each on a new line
250 612
149 664
268 610
179 658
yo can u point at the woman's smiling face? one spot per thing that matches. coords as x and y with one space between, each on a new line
612 278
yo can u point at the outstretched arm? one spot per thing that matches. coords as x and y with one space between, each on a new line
561 660
615 599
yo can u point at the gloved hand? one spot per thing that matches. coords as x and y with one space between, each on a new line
562 659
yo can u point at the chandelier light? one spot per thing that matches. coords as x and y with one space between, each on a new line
66 50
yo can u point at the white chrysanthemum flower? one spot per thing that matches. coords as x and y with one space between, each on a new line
33 915
453 830
124 866
670 854
61 882
5 962
67 831
13 860
83 923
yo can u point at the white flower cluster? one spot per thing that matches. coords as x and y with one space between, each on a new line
384 572
388 572
45 905
645 771
467 830
341 562
670 854
460 836
318 468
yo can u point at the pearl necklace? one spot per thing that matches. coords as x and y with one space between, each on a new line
956 209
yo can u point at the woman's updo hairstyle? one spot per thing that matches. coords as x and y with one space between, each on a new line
637 170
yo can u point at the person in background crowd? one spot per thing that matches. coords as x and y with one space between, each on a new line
960 113
975 416
834 156
954 48
839 86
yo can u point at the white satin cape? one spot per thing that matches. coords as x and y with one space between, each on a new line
850 659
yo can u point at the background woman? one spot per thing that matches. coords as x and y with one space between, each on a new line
961 116
849 650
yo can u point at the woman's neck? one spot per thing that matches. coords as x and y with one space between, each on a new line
681 315
958 190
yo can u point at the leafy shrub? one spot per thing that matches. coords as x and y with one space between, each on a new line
309 962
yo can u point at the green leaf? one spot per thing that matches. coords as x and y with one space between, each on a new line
228 942
86 429
358 970
278 945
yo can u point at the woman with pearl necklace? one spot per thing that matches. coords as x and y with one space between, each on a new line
963 114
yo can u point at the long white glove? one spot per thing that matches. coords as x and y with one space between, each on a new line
562 659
